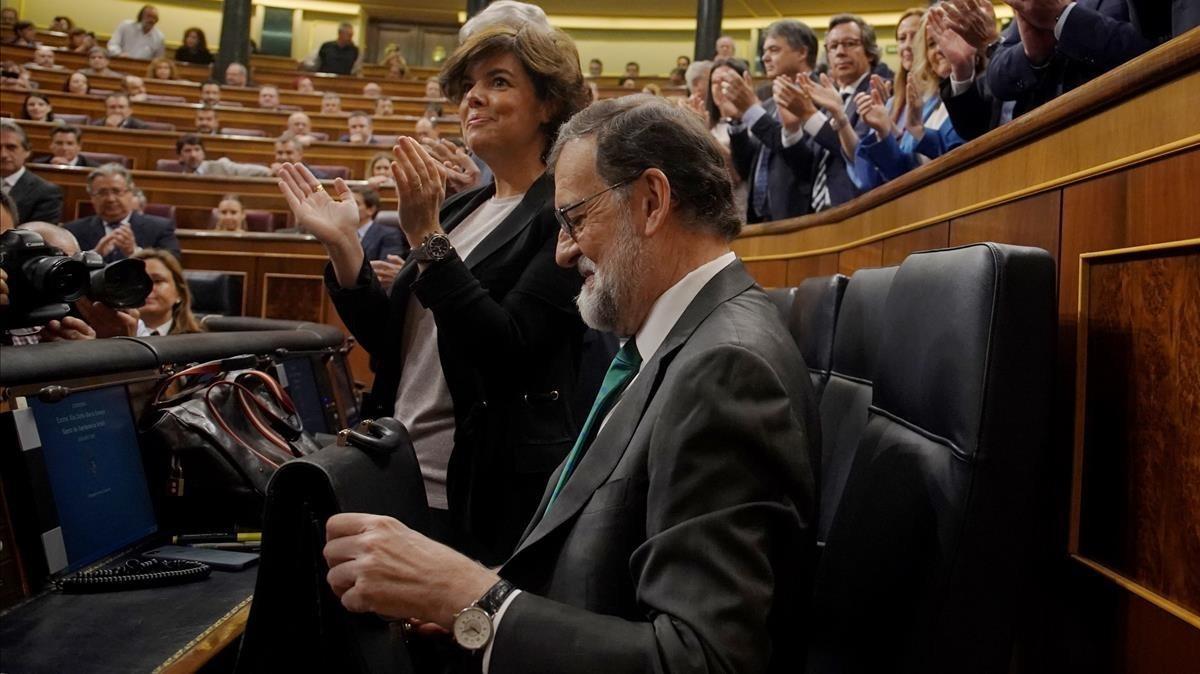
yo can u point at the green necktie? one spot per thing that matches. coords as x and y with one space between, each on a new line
624 366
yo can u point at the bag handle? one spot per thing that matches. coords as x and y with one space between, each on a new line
216 415
211 367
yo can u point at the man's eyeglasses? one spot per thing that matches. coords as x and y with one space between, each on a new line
848 44
565 220
102 194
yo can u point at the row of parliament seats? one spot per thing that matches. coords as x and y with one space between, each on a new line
144 150
193 197
934 387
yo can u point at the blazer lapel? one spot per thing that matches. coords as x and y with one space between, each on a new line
611 442
517 220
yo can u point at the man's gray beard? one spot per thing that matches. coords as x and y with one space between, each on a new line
612 290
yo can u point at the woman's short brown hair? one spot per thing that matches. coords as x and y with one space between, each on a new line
548 56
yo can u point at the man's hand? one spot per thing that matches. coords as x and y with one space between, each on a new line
378 565
106 321
1039 13
973 20
124 241
793 102
957 50
1038 43
737 90
69 328
386 270
114 120
873 113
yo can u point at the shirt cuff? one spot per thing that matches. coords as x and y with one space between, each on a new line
753 114
1062 21
487 652
790 139
957 87
813 125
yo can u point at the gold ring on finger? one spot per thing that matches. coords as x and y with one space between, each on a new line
319 188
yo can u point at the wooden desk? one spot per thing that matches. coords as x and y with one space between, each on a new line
1105 179
194 197
52 80
183 115
146 147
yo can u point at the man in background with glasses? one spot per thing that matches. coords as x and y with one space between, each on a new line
117 231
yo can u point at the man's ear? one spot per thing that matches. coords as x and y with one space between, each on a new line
657 203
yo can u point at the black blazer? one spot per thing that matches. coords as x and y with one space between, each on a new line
37 199
789 183
975 111
684 539
509 337
1096 37
149 231
837 175
129 123
80 160
383 240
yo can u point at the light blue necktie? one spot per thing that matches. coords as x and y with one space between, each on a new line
622 370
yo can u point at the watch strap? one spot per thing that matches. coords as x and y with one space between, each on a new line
493 599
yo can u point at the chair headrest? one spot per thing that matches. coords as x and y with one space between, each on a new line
953 319
814 316
860 319
388 218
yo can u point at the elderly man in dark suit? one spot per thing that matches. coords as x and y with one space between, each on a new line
116 231
676 535
36 199
1054 46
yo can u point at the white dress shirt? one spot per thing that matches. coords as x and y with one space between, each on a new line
129 39
664 314
144 330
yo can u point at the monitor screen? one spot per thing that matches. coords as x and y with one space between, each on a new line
300 380
95 472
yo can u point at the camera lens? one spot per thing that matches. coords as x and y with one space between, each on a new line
57 276
122 284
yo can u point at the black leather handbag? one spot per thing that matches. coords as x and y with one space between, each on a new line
213 447
296 623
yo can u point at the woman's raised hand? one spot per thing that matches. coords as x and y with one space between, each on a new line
420 188
333 221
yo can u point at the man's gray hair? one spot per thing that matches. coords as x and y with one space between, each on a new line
10 126
697 70
635 133
54 235
870 44
798 36
345 24
111 170
507 12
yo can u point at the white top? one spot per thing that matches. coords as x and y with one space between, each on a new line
144 330
130 40
664 314
423 402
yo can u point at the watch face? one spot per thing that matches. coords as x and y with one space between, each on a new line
439 247
472 628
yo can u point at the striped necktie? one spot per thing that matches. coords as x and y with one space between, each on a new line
622 370
820 189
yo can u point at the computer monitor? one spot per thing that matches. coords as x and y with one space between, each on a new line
298 375
89 448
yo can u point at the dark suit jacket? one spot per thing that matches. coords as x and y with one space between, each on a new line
509 336
1096 38
37 199
130 122
975 111
789 180
837 174
383 240
81 161
149 231
683 541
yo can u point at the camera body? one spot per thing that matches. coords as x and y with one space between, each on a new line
43 281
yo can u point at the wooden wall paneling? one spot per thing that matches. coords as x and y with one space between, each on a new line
896 248
230 262
800 268
1136 513
293 297
1033 221
769 273
861 257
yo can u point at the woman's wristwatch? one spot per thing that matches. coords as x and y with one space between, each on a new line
434 248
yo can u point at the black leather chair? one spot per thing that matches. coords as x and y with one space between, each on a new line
923 562
847 394
215 292
783 299
813 321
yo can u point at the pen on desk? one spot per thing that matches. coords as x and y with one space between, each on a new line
217 538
